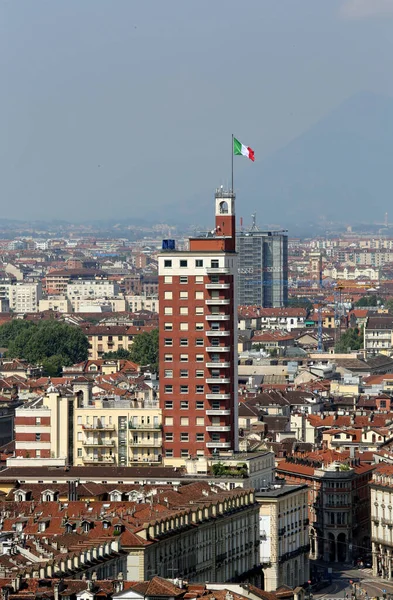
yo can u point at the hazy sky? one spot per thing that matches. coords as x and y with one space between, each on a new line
117 108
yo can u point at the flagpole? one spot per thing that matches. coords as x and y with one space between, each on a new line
232 190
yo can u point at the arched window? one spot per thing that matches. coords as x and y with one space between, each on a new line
223 208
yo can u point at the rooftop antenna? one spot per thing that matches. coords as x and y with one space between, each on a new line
254 226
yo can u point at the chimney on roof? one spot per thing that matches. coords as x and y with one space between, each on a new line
16 583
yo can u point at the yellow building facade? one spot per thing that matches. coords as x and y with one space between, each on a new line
117 432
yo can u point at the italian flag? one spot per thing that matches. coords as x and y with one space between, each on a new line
239 148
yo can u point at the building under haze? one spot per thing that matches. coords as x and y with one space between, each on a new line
263 267
198 341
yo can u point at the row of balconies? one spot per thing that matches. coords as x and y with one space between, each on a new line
111 460
288 555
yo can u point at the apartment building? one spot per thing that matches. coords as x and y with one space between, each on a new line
198 532
216 538
44 427
86 289
382 521
137 303
107 338
118 432
23 297
284 526
56 282
339 503
378 334
67 424
282 318
57 303
352 273
198 341
92 305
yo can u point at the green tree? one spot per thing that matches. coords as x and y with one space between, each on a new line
352 339
300 303
370 300
60 342
53 365
144 350
389 305
121 353
11 330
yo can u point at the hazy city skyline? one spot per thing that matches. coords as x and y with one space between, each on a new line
127 108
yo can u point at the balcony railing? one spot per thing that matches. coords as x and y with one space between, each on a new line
289 555
146 426
218 365
218 270
217 333
96 444
217 301
218 380
99 460
99 427
145 459
218 396
218 428
219 317
218 444
146 443
218 348
217 286
218 412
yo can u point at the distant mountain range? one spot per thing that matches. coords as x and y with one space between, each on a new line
340 170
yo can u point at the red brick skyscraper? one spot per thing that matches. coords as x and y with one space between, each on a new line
198 341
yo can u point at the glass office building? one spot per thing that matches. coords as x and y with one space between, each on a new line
263 268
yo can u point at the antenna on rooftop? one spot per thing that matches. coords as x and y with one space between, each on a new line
254 226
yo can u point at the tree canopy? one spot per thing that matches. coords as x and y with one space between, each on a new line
389 305
121 353
300 303
370 300
51 343
351 339
144 350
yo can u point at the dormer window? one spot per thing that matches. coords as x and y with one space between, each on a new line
86 526
105 524
48 496
115 496
20 495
